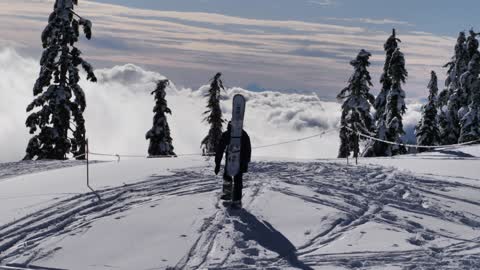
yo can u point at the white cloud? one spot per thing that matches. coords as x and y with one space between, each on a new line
16 84
119 112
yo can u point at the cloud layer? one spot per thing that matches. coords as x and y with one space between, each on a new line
120 106
189 47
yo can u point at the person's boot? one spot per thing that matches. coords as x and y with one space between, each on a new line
226 197
227 191
236 204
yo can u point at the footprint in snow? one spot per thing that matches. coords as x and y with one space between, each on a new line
251 252
416 241
248 261
241 244
388 216
428 237
415 224
356 264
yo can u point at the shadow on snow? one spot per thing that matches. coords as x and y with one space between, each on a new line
267 236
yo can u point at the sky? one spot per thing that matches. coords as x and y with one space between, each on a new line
425 15
280 46
283 45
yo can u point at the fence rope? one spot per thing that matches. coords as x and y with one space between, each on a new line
118 156
411 145
142 156
82 155
293 141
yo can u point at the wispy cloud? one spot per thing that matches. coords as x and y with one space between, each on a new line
189 46
322 2
371 21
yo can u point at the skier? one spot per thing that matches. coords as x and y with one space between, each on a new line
237 181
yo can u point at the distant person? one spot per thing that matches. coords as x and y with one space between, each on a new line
237 181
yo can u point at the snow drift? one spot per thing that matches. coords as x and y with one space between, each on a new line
297 214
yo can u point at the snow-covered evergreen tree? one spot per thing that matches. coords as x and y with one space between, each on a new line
472 44
214 116
470 83
459 63
159 134
452 99
381 101
376 148
60 99
427 131
356 106
472 49
396 107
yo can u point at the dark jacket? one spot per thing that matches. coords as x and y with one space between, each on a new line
245 150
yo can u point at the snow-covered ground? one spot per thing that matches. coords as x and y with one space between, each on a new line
412 212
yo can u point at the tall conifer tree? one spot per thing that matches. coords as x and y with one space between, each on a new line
381 101
214 116
470 83
159 134
396 107
427 131
60 99
382 126
356 106
452 98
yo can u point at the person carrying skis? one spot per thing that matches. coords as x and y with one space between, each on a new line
245 157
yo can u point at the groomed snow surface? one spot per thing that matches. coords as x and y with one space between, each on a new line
411 212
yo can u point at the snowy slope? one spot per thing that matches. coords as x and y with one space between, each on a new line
412 212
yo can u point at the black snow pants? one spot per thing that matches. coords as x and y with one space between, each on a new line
236 183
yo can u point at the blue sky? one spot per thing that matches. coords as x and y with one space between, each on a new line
436 16
282 45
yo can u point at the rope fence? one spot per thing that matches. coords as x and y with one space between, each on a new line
119 156
411 145
293 141
87 155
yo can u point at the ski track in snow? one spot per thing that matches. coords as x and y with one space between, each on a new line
238 239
